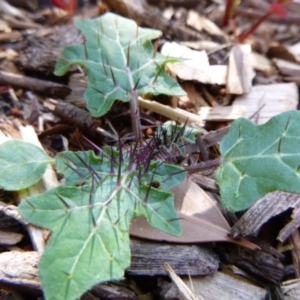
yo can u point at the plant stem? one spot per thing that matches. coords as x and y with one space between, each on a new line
244 35
134 109
228 12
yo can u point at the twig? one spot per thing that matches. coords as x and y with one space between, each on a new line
249 13
205 165
37 85
175 114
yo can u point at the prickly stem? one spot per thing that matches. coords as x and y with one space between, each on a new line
134 109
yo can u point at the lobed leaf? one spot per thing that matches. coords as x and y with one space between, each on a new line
22 164
118 56
90 222
259 160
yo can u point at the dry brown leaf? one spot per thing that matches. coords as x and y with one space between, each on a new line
267 207
283 52
200 218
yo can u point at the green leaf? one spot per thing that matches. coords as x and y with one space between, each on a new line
90 222
164 174
183 132
117 55
74 166
22 164
259 160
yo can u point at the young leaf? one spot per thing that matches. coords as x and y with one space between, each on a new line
90 222
116 54
22 164
259 160
182 132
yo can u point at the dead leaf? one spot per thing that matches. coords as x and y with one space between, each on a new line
200 218
281 51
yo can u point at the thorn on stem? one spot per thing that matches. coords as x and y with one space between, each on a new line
63 201
128 56
113 76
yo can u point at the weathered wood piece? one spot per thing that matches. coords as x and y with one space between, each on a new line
240 72
218 113
291 289
287 68
221 286
183 290
222 113
264 209
18 271
9 238
295 251
195 65
264 264
266 101
113 290
148 258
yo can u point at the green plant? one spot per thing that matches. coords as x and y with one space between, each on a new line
90 215
120 63
276 8
259 160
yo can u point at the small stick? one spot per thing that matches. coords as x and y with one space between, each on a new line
175 114
37 85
